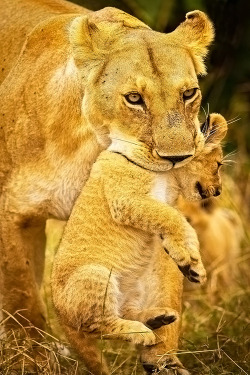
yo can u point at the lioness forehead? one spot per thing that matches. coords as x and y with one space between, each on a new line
152 55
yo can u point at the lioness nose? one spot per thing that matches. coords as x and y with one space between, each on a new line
176 159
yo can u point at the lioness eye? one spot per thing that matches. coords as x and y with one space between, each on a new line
134 98
188 94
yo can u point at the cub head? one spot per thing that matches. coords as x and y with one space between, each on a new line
141 93
201 179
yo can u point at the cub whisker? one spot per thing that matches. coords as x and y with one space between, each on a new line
232 153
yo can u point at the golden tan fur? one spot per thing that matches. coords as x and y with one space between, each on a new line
107 250
219 232
65 75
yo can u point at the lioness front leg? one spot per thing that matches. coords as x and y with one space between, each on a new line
22 239
179 238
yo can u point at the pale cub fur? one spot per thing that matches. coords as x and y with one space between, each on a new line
109 240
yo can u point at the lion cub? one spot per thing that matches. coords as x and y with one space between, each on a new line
108 242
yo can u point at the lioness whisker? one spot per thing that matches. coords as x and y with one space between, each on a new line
237 118
218 126
206 126
207 116
221 125
204 112
208 109
124 140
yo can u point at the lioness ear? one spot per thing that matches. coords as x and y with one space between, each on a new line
91 36
214 129
196 33
85 40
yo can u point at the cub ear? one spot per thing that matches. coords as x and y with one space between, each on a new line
214 130
196 33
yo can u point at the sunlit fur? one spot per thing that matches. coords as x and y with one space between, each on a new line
108 247
64 73
220 233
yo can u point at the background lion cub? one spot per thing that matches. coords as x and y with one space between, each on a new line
108 242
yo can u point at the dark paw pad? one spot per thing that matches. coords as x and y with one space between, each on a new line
193 273
185 270
160 321
166 250
193 279
171 366
150 369
189 273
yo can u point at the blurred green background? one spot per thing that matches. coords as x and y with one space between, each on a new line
226 88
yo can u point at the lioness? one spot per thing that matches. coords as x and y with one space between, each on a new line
71 81
108 244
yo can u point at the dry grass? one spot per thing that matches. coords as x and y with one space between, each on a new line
215 340
21 354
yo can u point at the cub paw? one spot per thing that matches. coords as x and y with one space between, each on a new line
160 320
157 317
168 369
139 334
194 273
177 252
187 257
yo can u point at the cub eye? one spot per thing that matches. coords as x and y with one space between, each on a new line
134 98
188 94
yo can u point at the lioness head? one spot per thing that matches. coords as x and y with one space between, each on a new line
142 95
201 177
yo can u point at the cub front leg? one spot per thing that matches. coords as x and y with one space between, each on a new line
195 270
143 212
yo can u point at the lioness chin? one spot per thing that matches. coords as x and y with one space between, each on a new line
72 82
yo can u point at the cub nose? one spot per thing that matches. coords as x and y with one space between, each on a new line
176 159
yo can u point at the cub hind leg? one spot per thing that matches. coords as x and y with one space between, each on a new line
87 348
164 287
153 317
89 302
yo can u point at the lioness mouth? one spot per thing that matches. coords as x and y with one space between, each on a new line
174 159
